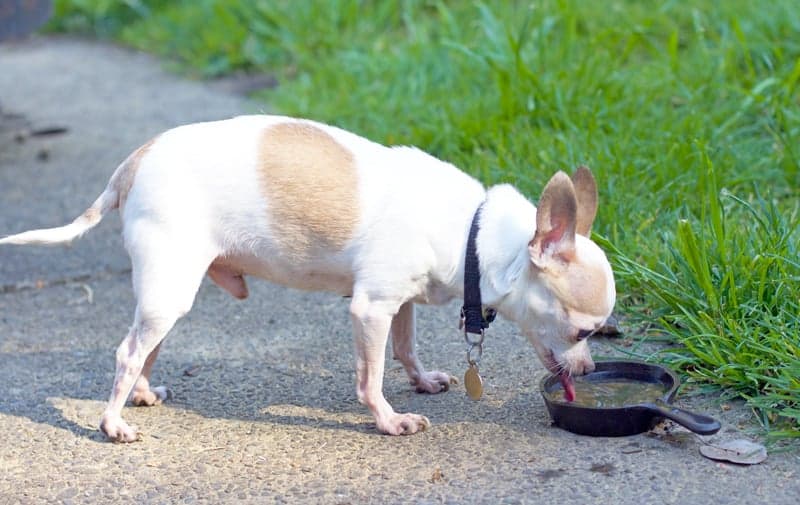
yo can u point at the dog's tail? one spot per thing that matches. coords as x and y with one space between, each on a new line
65 234
115 191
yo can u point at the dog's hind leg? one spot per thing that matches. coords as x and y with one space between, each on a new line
167 271
143 394
142 339
404 344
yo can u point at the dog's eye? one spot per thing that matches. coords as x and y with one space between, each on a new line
583 334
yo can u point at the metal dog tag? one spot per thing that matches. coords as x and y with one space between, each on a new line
473 382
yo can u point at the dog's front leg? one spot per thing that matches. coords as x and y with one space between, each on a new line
404 344
371 322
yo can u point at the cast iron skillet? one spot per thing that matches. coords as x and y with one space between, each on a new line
629 419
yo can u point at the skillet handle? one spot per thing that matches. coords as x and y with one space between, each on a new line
698 423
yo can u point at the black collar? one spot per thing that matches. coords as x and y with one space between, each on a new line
472 313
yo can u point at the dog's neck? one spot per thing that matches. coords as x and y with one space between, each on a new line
507 224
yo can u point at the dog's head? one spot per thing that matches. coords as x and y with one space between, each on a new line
569 290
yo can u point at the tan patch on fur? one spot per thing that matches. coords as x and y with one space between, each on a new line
123 178
586 194
583 288
92 215
311 185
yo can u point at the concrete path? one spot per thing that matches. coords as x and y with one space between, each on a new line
265 408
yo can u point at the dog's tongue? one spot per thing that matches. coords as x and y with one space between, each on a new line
568 385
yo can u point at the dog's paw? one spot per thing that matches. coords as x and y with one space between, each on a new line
404 424
151 397
433 382
118 430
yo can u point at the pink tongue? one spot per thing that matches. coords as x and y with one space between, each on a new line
568 385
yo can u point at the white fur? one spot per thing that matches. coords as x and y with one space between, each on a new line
196 198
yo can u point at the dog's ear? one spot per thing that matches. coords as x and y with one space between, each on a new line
556 220
586 193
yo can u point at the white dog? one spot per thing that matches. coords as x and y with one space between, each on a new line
314 207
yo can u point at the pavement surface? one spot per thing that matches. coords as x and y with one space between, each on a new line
264 407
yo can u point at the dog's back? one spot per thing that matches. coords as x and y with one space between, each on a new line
293 200
288 200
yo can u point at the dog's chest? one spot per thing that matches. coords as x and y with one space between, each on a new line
435 293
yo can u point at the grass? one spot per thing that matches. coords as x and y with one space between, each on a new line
688 113
727 296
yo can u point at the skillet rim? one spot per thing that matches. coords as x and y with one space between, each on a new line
549 383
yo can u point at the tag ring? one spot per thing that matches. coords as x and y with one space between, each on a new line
476 344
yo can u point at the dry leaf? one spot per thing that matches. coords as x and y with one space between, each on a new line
742 452
192 370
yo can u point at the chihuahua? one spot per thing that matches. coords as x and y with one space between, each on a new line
311 206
